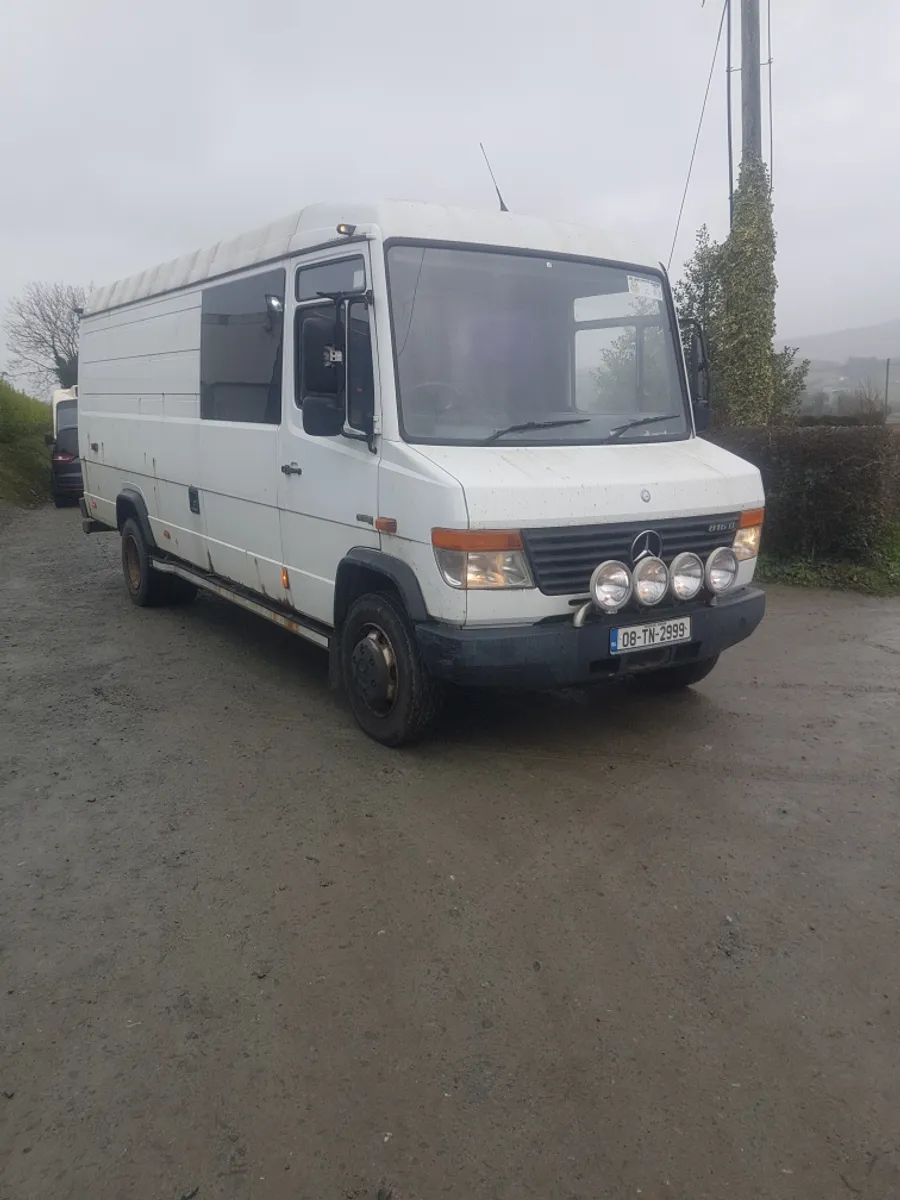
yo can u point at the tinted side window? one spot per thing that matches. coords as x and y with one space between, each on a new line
241 335
343 275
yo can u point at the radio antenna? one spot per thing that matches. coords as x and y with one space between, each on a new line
503 207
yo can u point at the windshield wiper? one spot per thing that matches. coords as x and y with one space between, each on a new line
620 429
498 433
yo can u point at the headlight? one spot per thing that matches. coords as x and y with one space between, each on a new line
746 542
721 570
747 539
651 579
611 586
686 575
481 559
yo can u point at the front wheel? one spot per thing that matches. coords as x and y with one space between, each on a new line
674 679
394 699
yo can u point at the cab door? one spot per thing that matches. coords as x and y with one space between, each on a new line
328 485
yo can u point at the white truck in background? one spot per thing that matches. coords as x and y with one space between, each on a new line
448 446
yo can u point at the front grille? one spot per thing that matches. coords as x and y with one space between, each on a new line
563 558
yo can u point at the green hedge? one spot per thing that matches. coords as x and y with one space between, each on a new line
24 458
831 492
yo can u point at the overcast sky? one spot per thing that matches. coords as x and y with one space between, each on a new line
133 132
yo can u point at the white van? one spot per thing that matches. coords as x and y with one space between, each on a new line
451 447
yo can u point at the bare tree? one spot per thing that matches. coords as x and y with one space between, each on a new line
868 402
42 334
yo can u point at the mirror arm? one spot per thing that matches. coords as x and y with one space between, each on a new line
356 436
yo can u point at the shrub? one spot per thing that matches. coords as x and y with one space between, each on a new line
24 459
831 492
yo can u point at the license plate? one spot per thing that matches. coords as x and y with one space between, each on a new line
632 638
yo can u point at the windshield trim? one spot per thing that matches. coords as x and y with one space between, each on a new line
656 272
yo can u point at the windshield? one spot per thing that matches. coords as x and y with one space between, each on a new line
486 340
67 414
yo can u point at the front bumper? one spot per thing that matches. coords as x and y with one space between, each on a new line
556 654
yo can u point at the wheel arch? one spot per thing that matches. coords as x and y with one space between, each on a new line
363 570
130 503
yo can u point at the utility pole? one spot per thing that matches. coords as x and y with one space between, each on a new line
887 388
751 103
728 74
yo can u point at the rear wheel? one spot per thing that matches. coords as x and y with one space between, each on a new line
394 699
674 679
145 587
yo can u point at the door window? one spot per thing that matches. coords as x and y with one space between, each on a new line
346 370
341 275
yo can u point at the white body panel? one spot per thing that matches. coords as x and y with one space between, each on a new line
524 486
141 428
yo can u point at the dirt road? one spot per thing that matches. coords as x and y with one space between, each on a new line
578 947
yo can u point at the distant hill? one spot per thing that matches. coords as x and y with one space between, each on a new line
871 341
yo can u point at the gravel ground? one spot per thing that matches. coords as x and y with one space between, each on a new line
577 947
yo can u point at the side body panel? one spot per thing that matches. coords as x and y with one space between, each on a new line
140 407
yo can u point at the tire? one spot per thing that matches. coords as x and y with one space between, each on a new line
146 588
392 696
58 500
675 679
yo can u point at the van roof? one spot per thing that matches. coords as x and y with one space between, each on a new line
316 225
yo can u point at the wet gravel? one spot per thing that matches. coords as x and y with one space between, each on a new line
577 947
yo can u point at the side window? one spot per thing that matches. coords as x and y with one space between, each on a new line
241 336
343 275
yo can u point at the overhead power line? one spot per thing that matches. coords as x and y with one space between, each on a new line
687 182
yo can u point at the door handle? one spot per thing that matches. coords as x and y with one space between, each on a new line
291 469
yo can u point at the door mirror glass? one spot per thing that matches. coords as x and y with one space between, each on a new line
698 372
360 374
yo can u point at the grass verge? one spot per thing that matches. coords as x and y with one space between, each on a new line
24 458
879 577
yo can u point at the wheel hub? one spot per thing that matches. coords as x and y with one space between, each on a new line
132 564
375 670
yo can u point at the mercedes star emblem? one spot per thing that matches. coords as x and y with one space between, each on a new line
645 496
648 542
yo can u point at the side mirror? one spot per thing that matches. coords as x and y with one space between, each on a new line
698 374
699 369
323 416
49 439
